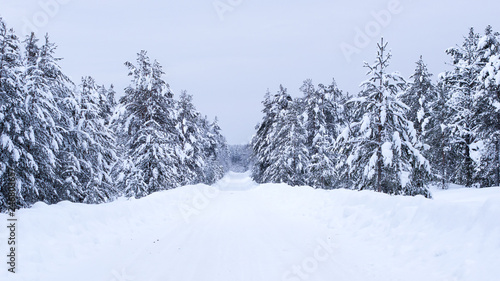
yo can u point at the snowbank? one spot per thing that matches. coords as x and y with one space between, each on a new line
238 230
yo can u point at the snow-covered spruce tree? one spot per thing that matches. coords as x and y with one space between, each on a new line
16 134
289 158
43 79
107 103
320 132
382 147
262 142
437 136
463 82
487 101
336 114
193 150
147 131
87 166
216 152
427 114
418 95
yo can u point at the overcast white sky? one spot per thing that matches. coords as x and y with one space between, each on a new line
227 57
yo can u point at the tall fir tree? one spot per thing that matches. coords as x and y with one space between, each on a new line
321 128
263 143
336 117
42 77
192 153
216 152
382 148
16 132
290 157
147 130
418 96
87 174
463 81
487 103
438 135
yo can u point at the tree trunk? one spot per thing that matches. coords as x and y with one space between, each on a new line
468 162
497 161
443 168
379 159
379 129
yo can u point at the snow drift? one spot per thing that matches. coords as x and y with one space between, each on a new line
238 230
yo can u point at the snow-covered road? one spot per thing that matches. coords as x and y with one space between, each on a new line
238 230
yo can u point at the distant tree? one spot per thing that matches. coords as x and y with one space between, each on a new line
240 157
107 103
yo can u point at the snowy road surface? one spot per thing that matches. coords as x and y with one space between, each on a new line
238 230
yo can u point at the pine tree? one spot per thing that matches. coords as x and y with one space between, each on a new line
463 81
88 179
382 147
290 157
192 156
41 77
16 134
148 132
487 103
438 135
107 103
321 129
335 99
216 153
263 143
420 93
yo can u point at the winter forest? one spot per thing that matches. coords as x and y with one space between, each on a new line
72 141
230 140
75 141
398 135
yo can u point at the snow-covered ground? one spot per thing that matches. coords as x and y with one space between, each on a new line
238 230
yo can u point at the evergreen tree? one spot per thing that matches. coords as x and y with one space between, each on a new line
463 81
336 117
382 147
420 93
321 127
88 178
440 153
487 102
107 103
16 134
216 153
263 143
192 155
148 132
260 141
41 77
290 157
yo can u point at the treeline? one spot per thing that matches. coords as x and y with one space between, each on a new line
396 135
67 141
